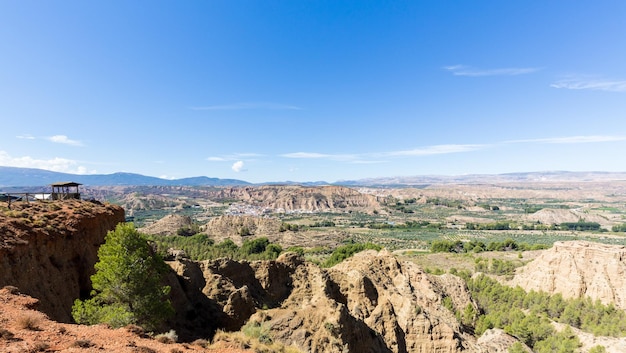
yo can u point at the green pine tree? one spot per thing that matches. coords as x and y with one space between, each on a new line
127 284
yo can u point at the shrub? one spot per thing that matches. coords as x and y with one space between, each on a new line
201 343
346 251
28 321
257 330
127 284
82 344
40 347
167 337
6 334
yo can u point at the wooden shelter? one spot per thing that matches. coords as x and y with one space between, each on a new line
65 191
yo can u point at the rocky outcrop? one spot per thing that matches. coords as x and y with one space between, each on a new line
558 216
369 303
496 340
301 198
577 269
48 249
233 227
237 228
168 225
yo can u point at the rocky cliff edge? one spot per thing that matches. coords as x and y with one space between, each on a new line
48 249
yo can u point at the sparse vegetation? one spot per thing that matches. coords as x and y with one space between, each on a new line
527 315
345 251
6 334
28 321
40 347
200 343
167 337
201 247
476 246
83 343
250 340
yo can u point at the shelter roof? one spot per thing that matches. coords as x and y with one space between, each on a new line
65 183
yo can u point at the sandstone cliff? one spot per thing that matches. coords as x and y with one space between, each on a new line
300 198
369 303
576 269
230 227
167 225
48 249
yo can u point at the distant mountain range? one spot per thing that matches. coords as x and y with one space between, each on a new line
25 177
19 177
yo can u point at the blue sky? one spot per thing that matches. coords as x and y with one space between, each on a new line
312 90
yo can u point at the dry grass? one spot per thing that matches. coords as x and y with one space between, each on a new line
143 349
201 343
83 344
243 341
6 334
136 329
167 337
28 321
40 347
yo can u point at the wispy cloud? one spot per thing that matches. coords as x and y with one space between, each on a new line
594 84
436 149
378 157
55 164
306 155
572 139
216 159
234 157
64 140
315 155
248 106
25 137
463 70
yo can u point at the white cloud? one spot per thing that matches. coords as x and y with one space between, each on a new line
315 155
56 164
64 140
462 70
374 158
436 149
234 157
592 84
572 139
26 137
306 155
249 106
367 162
238 166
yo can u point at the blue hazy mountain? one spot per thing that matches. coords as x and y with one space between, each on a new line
11 176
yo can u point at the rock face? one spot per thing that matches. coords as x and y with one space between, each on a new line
577 269
496 340
557 216
300 198
222 227
369 303
48 249
168 225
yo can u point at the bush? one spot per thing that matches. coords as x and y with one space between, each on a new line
167 337
127 284
82 344
6 334
345 251
28 321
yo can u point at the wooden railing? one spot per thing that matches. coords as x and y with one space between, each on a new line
10 197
